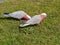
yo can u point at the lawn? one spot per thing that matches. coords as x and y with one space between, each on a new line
46 33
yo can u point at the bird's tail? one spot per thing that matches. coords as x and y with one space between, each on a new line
24 25
6 14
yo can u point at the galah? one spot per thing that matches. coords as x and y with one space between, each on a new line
18 15
34 20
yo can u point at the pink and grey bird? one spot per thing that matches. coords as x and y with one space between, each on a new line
34 20
18 15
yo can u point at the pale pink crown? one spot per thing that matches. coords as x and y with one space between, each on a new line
43 15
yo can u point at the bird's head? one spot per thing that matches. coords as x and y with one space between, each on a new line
27 17
43 15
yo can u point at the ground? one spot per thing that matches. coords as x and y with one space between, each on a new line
46 33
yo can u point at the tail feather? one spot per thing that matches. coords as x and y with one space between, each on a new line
6 14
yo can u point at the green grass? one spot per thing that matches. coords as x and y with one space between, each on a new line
46 33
